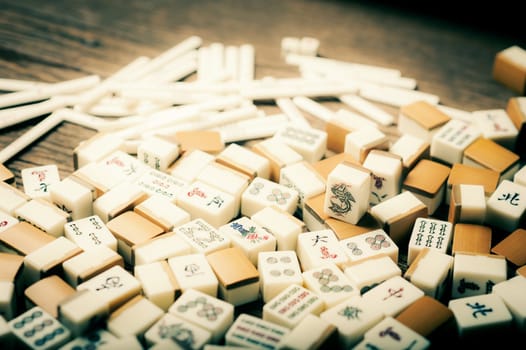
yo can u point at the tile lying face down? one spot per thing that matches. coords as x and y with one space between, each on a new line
421 119
239 280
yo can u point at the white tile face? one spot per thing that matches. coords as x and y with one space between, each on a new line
191 164
302 179
393 295
160 248
496 125
210 313
129 342
520 176
386 176
318 247
6 221
44 215
309 142
12 198
97 148
277 271
157 152
73 198
157 183
77 267
39 330
506 206
212 205
5 334
225 179
407 147
311 333
290 45
7 300
473 204
184 334
90 232
449 143
118 197
476 274
250 331
432 202
194 272
369 244
112 170
353 318
397 205
246 159
37 181
157 283
162 211
314 221
90 340
392 334
368 273
330 283
118 167
262 193
309 46
432 273
202 237
115 285
135 318
510 292
249 237
429 233
522 104
475 313
282 225
82 312
41 261
409 126
347 193
290 306
359 142
282 153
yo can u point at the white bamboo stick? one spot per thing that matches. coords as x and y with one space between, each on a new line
48 90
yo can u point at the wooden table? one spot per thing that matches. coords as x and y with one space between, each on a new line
61 40
450 54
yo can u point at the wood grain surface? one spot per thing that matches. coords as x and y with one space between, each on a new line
52 41
450 54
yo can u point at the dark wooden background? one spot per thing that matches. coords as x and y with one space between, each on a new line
448 51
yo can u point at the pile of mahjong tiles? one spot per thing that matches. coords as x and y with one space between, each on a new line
194 220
